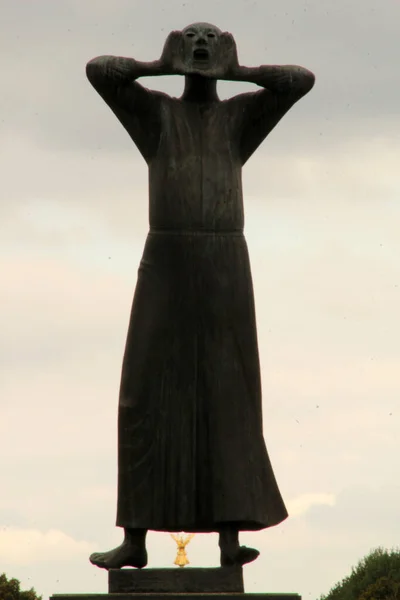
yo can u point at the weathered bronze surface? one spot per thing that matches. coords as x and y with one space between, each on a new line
192 456
176 581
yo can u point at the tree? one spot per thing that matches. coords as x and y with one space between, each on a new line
376 577
10 590
383 589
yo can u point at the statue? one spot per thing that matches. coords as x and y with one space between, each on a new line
181 559
191 452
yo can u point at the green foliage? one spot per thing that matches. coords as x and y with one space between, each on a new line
10 590
376 577
383 589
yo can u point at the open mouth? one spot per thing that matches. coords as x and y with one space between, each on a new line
201 54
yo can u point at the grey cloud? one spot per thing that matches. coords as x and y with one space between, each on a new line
367 511
9 517
57 496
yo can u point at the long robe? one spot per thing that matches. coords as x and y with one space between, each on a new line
191 452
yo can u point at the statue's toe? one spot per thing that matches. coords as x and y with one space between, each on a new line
247 555
97 559
123 556
241 557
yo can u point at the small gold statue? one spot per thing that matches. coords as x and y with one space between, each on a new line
182 541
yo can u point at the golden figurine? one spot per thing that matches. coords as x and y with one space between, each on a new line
182 541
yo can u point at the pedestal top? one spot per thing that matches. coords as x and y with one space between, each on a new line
160 596
176 581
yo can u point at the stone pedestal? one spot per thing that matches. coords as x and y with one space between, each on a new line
176 581
222 583
175 597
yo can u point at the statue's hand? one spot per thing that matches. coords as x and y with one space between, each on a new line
171 61
228 63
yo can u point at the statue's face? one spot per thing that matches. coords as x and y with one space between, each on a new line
200 45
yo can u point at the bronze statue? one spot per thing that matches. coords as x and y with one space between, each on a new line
191 452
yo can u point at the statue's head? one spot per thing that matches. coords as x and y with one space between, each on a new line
201 45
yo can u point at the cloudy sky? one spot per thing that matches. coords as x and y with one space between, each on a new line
322 223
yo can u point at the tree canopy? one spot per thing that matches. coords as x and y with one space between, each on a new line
10 589
376 577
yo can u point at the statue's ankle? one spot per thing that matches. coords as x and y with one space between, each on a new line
229 539
136 537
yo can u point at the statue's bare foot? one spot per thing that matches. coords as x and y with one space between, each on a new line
126 555
241 556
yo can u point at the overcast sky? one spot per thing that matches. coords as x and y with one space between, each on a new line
322 223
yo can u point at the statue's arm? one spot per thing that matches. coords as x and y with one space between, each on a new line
137 108
284 82
107 73
261 111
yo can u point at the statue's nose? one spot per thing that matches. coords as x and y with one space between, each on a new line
201 41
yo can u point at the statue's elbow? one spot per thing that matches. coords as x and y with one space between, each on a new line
308 80
96 67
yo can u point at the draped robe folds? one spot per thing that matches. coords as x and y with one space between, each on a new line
191 452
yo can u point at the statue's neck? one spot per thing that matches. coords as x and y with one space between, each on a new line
200 89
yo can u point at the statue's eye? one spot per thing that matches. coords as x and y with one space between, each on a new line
211 35
190 34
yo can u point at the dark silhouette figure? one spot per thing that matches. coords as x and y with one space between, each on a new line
192 456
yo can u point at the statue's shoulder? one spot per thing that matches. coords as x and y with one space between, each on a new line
152 95
164 100
242 100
